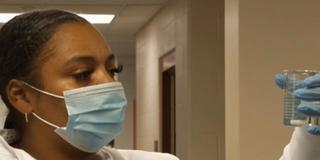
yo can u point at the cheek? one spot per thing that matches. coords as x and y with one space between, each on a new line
52 110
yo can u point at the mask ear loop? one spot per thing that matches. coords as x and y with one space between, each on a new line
44 121
47 93
41 91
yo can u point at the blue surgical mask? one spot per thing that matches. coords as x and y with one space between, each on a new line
95 115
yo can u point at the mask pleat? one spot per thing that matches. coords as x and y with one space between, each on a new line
101 116
98 129
92 103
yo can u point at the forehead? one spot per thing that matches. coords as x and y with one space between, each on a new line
77 38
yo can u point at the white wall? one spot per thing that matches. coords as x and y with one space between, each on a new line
165 32
127 77
157 38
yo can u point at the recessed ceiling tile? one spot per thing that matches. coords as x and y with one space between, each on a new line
140 10
132 18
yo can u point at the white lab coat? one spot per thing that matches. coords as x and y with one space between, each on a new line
9 153
302 146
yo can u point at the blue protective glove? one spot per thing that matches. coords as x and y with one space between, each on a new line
308 89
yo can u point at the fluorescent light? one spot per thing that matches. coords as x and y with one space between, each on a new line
5 17
92 18
98 18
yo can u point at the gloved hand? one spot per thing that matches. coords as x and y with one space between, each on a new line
308 89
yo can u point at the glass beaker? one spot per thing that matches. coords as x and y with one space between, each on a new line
293 81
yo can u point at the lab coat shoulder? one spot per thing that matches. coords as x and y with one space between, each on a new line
9 153
145 155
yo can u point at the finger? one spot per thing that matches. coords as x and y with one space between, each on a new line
285 82
280 80
314 130
309 109
307 93
312 81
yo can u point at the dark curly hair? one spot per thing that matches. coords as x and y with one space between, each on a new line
22 41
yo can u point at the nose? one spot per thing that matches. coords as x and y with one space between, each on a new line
102 76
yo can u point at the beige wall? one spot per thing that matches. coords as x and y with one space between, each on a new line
232 106
206 61
273 35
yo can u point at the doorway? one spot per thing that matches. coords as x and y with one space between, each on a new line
168 109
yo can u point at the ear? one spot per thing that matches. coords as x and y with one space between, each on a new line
19 96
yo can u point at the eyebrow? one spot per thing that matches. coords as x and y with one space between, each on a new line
85 58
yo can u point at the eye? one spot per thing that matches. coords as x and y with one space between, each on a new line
83 75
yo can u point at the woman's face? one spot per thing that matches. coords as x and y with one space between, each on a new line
78 57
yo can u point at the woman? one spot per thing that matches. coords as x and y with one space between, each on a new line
57 79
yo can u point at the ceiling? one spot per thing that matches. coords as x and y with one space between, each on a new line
130 16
